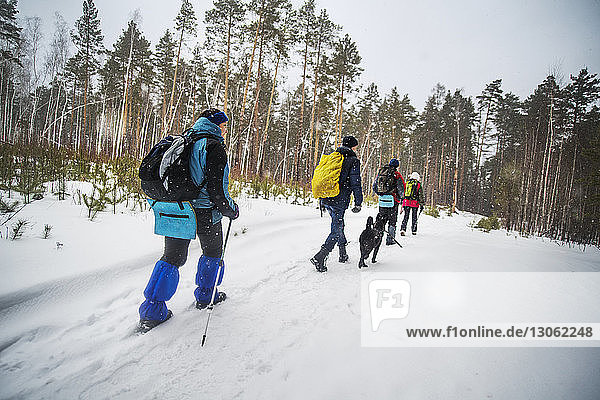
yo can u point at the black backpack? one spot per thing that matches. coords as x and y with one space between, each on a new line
386 181
176 184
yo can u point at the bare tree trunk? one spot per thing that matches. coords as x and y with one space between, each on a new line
339 135
455 182
426 175
549 151
243 109
480 152
266 132
314 106
227 64
287 135
524 188
170 109
301 127
85 91
255 142
554 197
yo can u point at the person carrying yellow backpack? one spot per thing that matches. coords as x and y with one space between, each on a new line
337 177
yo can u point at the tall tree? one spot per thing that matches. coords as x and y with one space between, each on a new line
88 38
307 24
185 22
222 22
286 36
10 32
326 32
126 70
164 64
346 61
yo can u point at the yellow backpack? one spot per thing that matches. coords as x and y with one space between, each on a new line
326 179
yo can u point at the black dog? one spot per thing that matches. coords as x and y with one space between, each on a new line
370 240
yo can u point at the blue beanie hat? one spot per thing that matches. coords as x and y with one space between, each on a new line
394 163
215 116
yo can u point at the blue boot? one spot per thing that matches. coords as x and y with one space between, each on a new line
205 279
161 287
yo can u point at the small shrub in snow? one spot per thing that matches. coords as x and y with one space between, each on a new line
46 233
94 203
114 196
488 224
432 211
18 229
8 206
235 189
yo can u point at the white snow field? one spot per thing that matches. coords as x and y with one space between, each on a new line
285 332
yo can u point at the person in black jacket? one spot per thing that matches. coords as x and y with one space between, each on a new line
337 206
209 169
389 203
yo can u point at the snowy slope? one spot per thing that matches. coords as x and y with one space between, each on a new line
66 315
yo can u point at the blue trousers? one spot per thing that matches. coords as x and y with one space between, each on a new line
337 229
165 276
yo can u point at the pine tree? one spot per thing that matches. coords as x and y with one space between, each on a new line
223 22
185 22
345 61
286 37
10 32
307 26
326 31
164 64
10 40
88 38
126 71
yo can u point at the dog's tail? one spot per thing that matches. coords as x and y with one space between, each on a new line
370 222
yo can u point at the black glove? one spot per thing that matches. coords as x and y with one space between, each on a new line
234 213
356 209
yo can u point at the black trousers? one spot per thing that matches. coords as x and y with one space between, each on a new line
209 234
415 214
390 214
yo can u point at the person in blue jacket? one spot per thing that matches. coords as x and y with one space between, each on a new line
210 170
337 206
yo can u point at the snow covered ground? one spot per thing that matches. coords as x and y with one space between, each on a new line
285 331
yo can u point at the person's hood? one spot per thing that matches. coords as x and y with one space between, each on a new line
203 125
345 151
415 176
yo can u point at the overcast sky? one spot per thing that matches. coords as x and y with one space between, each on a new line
414 44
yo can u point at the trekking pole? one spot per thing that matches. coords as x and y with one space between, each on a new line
212 300
397 242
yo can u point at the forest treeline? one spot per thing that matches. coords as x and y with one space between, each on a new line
533 162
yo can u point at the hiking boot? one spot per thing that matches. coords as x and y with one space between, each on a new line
146 324
414 233
319 259
389 241
402 233
221 296
343 255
